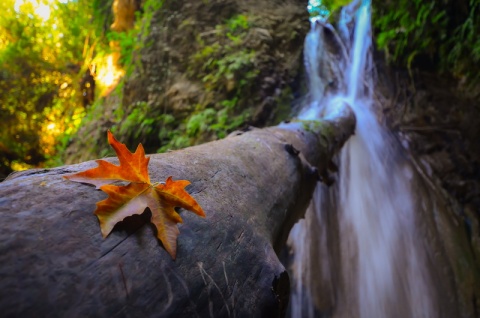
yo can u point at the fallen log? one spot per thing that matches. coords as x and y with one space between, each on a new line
253 187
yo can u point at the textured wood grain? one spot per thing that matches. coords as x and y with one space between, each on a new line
252 186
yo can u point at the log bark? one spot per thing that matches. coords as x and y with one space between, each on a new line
253 187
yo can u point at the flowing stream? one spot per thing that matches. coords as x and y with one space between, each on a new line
356 253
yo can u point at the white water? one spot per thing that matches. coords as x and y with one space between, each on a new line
357 253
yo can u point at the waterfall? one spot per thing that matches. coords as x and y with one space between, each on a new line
357 253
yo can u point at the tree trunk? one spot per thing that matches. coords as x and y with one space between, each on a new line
252 186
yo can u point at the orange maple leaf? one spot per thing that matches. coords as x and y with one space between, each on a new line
138 195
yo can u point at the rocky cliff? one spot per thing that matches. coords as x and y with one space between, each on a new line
205 68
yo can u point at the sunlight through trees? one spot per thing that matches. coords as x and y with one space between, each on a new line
41 58
51 55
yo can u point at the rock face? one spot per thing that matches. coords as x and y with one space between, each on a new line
434 119
205 68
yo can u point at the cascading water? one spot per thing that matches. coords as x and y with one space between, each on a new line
356 254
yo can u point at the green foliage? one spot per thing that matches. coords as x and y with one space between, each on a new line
134 40
102 16
142 122
441 35
136 122
41 58
203 122
150 7
42 62
174 139
436 35
221 60
200 122
236 66
221 65
237 22
406 25
218 122
227 68
323 9
128 44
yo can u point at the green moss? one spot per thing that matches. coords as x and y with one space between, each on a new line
313 126
323 130
284 105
